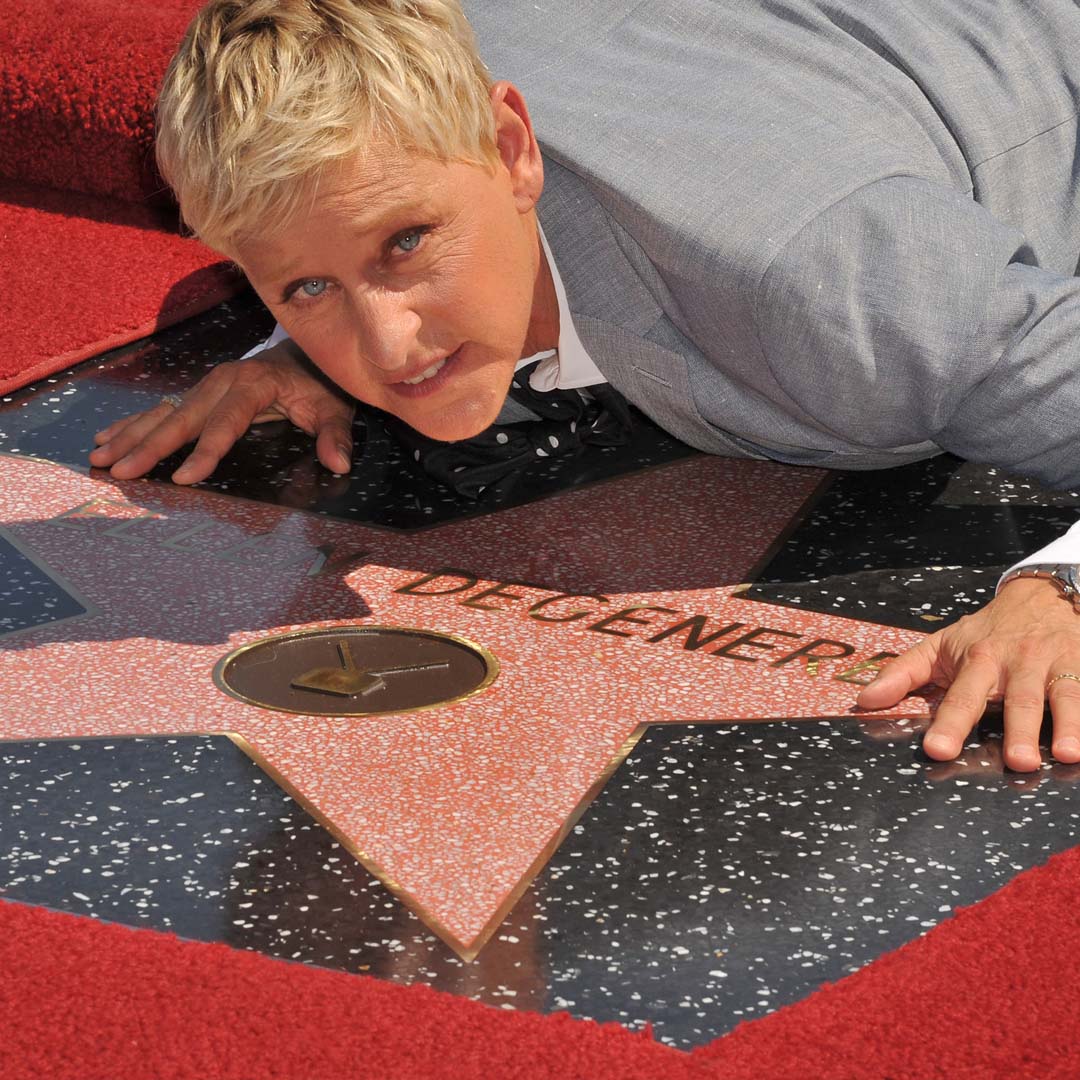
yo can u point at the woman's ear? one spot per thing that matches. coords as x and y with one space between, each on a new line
518 150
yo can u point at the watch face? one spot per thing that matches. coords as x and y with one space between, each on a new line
356 671
1071 576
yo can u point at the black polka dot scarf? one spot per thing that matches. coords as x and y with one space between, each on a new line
566 422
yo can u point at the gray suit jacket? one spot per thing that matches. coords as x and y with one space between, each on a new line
835 232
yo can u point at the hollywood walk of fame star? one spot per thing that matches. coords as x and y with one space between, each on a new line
607 608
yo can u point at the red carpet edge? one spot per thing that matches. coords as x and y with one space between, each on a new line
991 992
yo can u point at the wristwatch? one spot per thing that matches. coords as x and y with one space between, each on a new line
1066 576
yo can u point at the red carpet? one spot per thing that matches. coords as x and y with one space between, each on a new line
991 993
81 1000
77 84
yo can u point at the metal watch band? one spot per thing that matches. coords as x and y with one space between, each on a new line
1065 575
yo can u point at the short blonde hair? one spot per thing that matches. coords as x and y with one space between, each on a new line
262 95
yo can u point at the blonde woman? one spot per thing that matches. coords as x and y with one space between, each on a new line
829 232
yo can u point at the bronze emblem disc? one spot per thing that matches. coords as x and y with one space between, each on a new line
356 671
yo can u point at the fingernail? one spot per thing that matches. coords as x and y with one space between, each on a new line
941 744
344 459
1026 756
1068 745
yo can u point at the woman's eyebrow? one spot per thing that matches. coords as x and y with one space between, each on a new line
381 219
371 214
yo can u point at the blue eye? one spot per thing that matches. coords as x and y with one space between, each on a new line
313 286
409 241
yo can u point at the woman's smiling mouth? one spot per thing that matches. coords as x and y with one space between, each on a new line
430 379
427 373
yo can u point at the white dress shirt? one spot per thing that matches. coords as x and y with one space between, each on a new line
1065 549
569 367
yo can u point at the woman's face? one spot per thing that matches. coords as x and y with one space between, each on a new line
416 284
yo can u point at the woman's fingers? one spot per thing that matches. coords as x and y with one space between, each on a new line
217 411
1024 703
278 383
119 439
1023 647
114 429
218 430
960 709
173 431
899 677
1064 696
333 435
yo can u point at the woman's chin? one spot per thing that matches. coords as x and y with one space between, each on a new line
457 420
454 424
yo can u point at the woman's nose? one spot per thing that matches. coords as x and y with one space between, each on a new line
387 329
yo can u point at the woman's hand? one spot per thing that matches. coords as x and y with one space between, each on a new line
1016 648
278 383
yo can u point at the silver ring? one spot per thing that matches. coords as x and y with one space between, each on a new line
175 400
1063 675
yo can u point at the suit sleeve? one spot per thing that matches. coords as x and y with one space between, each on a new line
907 312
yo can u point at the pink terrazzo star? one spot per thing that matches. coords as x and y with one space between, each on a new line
628 619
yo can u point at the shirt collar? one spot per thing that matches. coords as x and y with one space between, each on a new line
569 367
